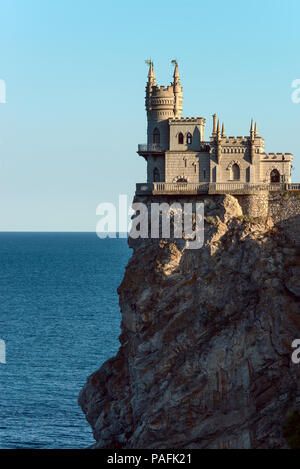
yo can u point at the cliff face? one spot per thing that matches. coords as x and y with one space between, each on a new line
205 356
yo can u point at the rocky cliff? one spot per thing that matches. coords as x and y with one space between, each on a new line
205 355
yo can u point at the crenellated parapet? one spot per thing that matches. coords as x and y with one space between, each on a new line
278 156
183 120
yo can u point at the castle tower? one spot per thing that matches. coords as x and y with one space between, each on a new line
150 83
178 99
223 134
162 103
219 144
253 131
214 131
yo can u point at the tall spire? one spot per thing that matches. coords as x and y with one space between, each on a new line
223 130
176 75
151 74
252 130
255 130
214 132
177 90
218 141
150 84
218 129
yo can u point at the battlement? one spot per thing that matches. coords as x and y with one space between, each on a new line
233 140
240 139
278 156
162 91
183 120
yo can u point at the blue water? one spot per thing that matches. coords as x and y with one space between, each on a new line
60 318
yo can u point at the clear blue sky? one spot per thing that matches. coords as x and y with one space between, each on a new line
75 77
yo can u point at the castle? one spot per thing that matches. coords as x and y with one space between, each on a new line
180 160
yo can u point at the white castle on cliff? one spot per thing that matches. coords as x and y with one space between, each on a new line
178 155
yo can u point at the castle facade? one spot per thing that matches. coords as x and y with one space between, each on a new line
176 150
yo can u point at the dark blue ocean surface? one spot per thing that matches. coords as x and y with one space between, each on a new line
60 318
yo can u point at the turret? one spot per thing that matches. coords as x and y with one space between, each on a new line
214 132
151 74
178 100
223 131
252 141
219 146
150 84
252 130
162 103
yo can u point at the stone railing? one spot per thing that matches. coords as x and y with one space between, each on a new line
242 187
292 187
144 147
180 187
169 188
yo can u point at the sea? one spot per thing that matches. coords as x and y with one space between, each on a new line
60 321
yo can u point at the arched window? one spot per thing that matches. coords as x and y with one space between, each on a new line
156 136
189 138
235 172
180 138
156 175
274 176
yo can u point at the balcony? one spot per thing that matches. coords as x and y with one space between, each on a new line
156 147
168 188
145 148
188 188
292 187
180 188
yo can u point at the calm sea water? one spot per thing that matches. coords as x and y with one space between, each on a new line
60 318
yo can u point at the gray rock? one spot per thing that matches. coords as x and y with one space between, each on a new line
205 355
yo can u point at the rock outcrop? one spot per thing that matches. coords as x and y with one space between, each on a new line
205 355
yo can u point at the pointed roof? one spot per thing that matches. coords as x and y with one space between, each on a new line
255 130
223 130
151 74
176 71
